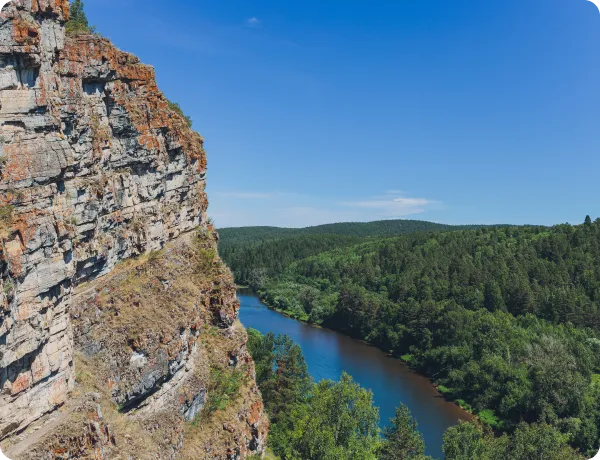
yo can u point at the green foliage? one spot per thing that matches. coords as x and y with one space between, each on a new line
330 420
245 236
6 219
224 386
8 286
464 405
488 417
469 441
337 421
78 22
402 440
444 390
174 106
255 253
508 318
281 372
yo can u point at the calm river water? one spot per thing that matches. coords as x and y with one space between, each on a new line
328 353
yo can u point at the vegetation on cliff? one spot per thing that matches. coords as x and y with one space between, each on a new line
78 23
177 108
6 219
505 320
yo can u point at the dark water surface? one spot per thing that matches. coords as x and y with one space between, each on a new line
328 353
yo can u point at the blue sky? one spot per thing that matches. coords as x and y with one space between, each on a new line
316 111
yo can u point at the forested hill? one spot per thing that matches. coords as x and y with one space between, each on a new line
505 319
254 253
242 236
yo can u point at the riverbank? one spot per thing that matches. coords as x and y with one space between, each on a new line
404 359
328 353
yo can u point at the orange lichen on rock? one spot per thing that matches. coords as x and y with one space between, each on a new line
256 412
26 223
60 8
21 383
18 162
14 252
26 31
99 174
133 86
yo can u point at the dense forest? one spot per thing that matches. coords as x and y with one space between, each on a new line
240 237
255 253
338 421
505 320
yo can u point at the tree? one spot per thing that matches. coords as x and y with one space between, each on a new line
493 296
281 371
506 318
338 422
466 441
469 441
78 22
539 441
588 220
401 438
261 348
291 381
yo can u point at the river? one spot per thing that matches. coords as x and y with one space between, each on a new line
328 353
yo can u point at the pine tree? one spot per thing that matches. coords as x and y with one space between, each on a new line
493 300
401 438
78 22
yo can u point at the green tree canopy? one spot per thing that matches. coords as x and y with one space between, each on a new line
469 441
78 23
506 319
337 422
401 438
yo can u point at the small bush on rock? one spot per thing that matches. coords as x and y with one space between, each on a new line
6 219
224 387
175 107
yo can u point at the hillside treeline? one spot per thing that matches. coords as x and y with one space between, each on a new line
506 320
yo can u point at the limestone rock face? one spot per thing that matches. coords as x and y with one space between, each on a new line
94 169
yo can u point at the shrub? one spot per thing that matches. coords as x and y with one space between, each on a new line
175 107
408 358
6 218
464 405
224 386
488 417
444 390
8 286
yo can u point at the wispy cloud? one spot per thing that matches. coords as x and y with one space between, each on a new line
284 209
247 195
253 22
393 206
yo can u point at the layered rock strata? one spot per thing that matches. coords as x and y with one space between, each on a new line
95 169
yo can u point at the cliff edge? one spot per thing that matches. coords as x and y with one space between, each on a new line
117 319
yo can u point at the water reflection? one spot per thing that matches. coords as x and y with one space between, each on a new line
328 353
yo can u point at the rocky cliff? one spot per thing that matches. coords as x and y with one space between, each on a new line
117 319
